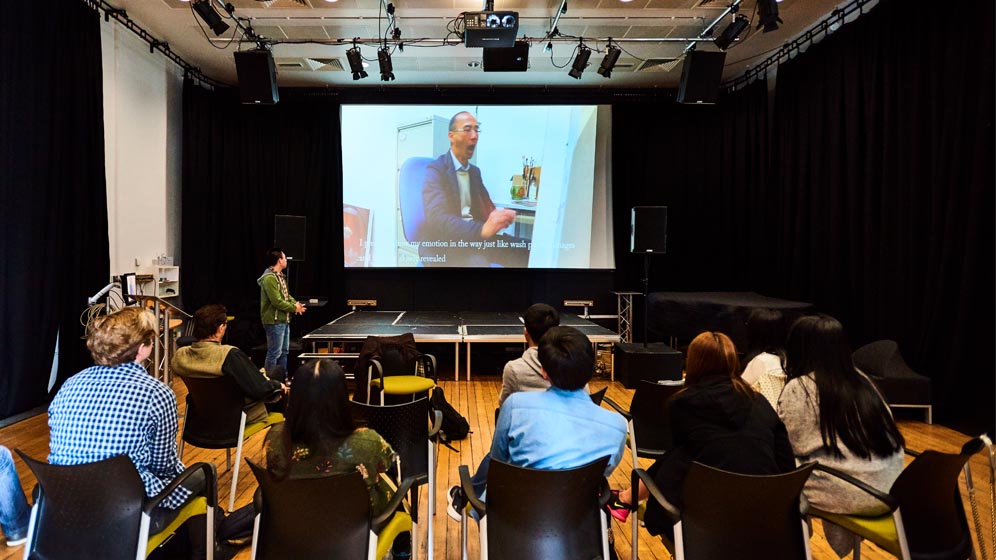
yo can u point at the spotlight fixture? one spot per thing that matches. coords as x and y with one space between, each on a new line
386 68
732 31
580 62
609 62
210 17
768 12
356 63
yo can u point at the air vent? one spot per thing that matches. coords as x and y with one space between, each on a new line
290 64
658 65
329 64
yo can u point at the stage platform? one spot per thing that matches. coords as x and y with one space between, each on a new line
456 327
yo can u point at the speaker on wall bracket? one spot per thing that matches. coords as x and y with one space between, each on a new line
289 235
257 77
700 77
648 230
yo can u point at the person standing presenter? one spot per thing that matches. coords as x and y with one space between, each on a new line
275 308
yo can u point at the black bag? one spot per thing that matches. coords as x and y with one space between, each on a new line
454 426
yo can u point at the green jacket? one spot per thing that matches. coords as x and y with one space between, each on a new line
275 303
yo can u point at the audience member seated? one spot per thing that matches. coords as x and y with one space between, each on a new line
717 420
116 407
765 354
559 428
14 511
208 357
835 415
525 373
318 437
521 374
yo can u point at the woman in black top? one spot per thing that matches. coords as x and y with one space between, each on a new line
716 420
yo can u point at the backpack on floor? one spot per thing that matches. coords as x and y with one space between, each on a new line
454 426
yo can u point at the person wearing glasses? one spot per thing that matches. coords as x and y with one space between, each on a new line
458 208
208 358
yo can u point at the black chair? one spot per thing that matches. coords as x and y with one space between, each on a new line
100 510
214 419
548 514
647 416
325 517
926 518
728 515
900 386
406 427
394 366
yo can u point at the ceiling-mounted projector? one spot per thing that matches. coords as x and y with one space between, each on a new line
490 29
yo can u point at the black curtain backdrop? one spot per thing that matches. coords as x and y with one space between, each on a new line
883 157
242 165
53 220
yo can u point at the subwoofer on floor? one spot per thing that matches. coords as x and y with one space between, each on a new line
654 362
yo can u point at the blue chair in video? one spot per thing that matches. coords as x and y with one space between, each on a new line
410 180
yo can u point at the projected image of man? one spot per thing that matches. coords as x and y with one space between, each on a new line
463 223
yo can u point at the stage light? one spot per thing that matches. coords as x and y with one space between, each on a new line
386 68
768 12
580 62
609 62
732 31
356 63
210 17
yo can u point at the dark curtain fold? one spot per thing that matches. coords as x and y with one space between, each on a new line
242 165
883 157
707 165
53 221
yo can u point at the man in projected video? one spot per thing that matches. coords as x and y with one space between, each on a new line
462 223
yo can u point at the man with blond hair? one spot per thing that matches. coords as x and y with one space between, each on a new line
115 407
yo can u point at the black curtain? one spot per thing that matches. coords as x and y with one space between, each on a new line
53 220
242 165
883 157
707 164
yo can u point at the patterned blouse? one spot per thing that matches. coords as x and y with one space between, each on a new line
363 450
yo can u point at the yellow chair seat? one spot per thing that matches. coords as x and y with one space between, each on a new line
256 427
197 506
400 523
404 384
879 530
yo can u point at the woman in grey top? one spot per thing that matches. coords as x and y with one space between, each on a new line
835 415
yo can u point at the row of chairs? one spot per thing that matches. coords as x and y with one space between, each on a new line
725 513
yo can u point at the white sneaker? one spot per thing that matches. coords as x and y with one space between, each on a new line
455 503
17 542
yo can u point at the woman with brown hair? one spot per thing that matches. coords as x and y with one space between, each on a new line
717 420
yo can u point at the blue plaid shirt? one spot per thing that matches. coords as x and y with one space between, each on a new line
105 411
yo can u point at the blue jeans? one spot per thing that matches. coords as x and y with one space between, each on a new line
14 511
277 345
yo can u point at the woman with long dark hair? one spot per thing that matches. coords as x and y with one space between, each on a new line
765 356
835 415
716 420
319 438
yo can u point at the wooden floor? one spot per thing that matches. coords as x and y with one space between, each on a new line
477 401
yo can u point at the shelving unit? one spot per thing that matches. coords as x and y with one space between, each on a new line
164 282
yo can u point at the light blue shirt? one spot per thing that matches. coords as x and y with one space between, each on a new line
557 429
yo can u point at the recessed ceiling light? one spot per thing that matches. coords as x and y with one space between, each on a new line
474 64
331 1
366 65
625 1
